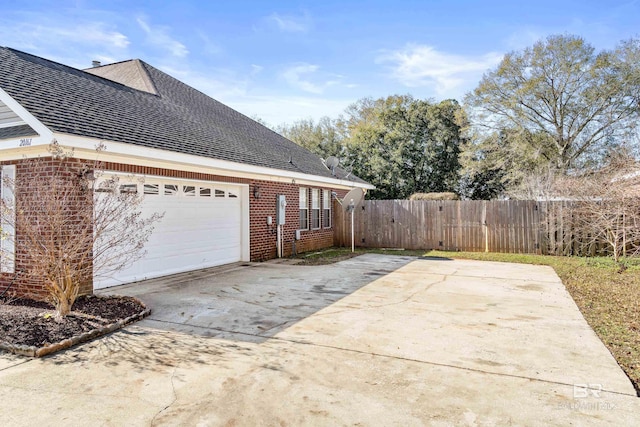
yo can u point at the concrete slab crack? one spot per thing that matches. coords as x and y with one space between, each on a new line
175 398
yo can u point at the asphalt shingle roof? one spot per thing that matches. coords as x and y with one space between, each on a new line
17 132
179 118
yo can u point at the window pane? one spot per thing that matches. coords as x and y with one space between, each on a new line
129 188
232 195
219 193
326 208
303 203
205 192
152 189
170 189
304 219
189 190
315 199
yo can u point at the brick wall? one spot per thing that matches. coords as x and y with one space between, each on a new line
39 175
262 235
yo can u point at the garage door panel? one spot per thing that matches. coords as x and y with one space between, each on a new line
195 232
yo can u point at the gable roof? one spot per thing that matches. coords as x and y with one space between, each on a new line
158 112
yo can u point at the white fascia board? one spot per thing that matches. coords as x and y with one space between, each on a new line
118 152
27 117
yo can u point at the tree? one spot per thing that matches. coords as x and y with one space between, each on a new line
73 223
565 102
403 145
501 163
604 205
324 138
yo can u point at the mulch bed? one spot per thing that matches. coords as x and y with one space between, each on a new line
28 327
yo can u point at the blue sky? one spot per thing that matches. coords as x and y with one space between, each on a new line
284 61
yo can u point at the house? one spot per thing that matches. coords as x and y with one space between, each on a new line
215 173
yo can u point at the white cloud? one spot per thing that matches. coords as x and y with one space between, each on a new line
160 37
289 23
298 76
424 66
95 33
91 33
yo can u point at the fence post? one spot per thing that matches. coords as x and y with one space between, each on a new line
485 227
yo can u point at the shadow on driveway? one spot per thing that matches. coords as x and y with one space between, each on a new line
252 302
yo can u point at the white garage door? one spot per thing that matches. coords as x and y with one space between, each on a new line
202 227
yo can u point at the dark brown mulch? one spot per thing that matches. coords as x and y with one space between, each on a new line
32 323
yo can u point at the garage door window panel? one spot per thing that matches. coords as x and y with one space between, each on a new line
170 189
189 190
152 189
129 188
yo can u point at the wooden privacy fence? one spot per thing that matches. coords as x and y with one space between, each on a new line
513 226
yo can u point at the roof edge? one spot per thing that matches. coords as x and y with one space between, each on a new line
155 157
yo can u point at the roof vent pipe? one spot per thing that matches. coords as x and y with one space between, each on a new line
95 63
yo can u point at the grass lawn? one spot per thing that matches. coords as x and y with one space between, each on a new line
608 296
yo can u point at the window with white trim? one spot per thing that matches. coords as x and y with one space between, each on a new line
315 208
303 203
326 208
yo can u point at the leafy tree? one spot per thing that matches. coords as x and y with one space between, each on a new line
324 138
567 104
403 145
500 163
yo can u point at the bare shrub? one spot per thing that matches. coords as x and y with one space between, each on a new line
70 232
604 206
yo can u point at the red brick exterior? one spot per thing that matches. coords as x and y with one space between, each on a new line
262 235
20 282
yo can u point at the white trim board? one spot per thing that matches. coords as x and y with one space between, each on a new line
123 153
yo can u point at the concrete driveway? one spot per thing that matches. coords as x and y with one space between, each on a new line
375 340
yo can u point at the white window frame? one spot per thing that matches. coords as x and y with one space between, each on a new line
316 221
303 203
326 209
